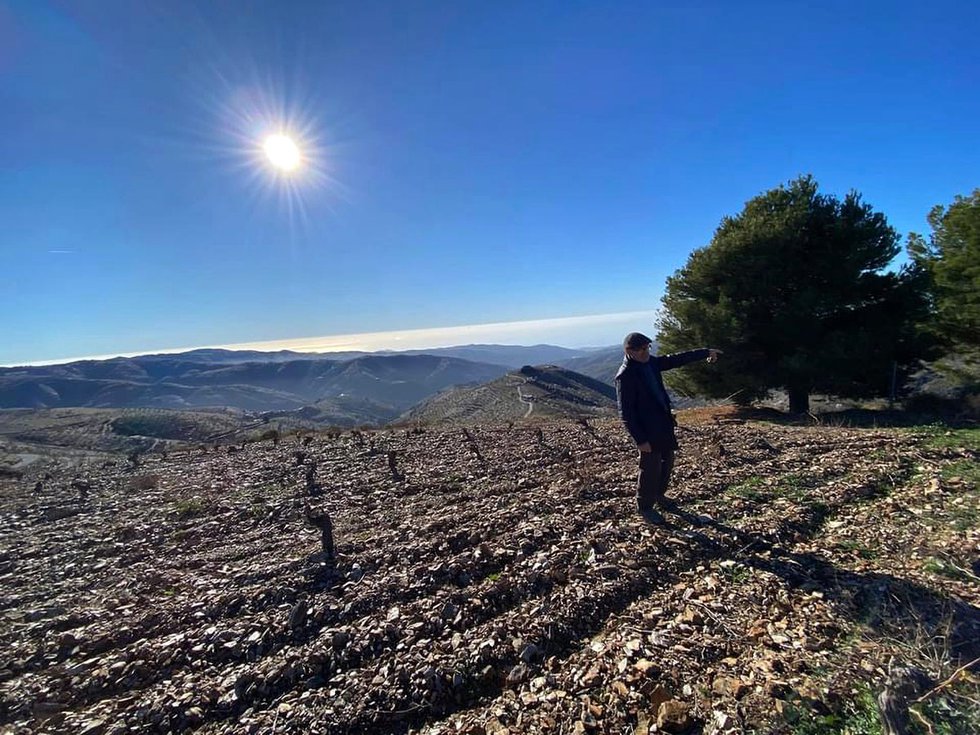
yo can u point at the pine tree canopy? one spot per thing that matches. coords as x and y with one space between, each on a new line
952 260
794 290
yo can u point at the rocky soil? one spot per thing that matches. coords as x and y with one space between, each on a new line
495 580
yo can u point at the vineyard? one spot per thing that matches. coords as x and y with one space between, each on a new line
497 579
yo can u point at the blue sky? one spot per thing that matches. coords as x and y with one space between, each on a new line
465 163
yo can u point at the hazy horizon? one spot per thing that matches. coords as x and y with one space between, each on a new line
581 332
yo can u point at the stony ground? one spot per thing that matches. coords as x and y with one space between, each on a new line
496 580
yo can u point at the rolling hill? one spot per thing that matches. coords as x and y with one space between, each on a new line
599 364
531 392
178 382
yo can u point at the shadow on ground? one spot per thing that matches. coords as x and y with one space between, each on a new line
888 605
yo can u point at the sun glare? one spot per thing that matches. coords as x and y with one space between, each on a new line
278 151
282 152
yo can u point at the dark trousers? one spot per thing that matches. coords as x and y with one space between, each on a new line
651 483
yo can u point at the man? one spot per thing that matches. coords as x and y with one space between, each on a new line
645 409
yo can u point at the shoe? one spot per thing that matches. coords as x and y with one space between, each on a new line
650 515
666 503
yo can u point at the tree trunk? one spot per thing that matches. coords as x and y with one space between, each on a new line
799 400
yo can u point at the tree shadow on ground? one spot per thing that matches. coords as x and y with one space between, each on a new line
858 418
889 606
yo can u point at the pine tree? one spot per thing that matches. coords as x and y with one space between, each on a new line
794 290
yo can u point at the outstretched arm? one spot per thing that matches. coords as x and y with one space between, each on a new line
669 362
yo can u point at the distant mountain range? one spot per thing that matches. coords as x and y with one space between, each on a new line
343 388
599 364
511 356
398 380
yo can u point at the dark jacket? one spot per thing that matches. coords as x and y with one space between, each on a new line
644 409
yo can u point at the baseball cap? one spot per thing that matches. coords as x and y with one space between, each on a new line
636 340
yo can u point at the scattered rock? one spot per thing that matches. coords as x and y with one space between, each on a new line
728 686
515 591
673 716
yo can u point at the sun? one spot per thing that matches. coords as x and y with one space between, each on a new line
282 152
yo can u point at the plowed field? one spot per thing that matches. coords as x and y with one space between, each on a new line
497 580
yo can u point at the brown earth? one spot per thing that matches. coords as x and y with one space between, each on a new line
498 581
